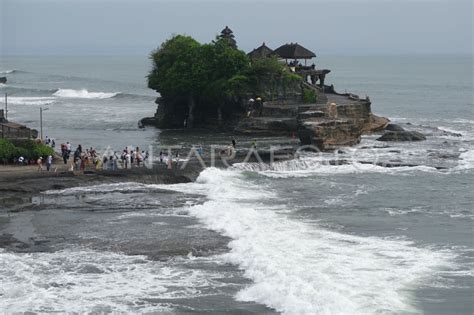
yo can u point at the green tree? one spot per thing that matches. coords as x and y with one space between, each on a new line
7 150
177 71
268 76
213 77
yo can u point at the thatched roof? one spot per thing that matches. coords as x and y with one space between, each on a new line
260 52
294 51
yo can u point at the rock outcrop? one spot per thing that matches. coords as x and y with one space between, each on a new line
334 120
402 136
395 132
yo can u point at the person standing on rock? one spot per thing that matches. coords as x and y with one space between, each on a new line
40 164
128 161
49 162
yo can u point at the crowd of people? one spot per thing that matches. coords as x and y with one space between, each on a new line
90 158
80 159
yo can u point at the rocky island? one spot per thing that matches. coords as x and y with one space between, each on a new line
265 92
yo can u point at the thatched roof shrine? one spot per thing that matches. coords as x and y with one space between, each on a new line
294 51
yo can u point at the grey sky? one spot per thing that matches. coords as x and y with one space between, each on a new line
327 27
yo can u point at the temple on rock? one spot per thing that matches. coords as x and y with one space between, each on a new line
328 121
310 108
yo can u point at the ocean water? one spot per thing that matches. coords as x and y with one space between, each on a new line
296 237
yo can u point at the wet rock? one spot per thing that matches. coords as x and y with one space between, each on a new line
402 136
394 127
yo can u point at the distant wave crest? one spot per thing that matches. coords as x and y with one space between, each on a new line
39 101
7 71
69 93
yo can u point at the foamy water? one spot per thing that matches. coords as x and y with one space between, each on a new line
300 268
89 281
69 93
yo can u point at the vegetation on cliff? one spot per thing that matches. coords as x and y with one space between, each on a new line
212 81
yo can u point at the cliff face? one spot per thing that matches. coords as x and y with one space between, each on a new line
334 120
172 113
330 126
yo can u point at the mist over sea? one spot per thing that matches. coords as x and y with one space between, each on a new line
299 237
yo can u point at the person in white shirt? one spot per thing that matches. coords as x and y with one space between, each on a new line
49 161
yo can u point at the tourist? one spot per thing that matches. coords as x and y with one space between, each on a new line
105 164
234 143
98 165
49 162
68 148
254 144
250 108
40 164
82 166
128 161
78 152
259 105
161 156
177 158
65 155
112 163
170 163
21 160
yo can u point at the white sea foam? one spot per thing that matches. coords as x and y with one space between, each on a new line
301 268
103 188
30 101
309 166
69 93
6 71
86 281
449 130
466 161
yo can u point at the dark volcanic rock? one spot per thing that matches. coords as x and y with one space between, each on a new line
394 127
402 136
147 121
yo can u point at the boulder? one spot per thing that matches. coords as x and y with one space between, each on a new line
402 136
329 134
394 127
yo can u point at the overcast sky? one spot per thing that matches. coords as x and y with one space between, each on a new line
79 27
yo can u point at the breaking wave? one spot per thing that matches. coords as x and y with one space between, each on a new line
7 71
70 93
301 268
466 161
104 281
306 167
